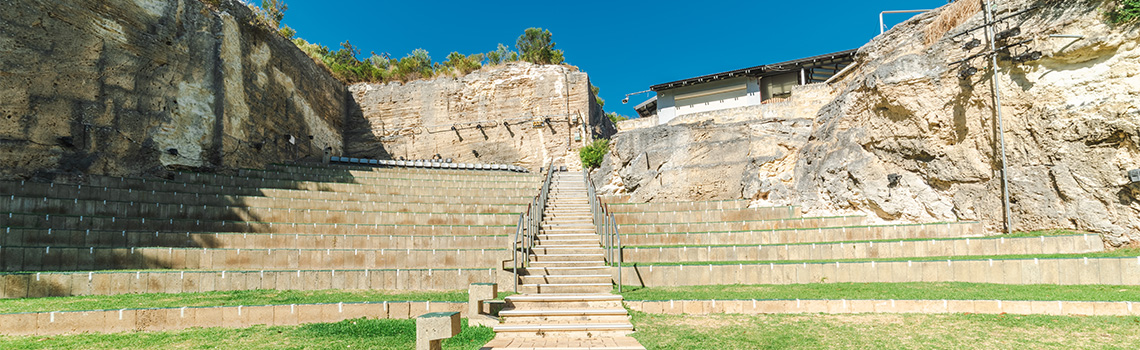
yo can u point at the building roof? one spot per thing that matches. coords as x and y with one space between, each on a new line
646 108
754 71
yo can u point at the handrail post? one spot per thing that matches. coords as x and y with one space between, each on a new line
619 256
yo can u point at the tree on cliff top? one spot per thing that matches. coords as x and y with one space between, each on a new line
536 46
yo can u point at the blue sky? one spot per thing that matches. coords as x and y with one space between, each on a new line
624 46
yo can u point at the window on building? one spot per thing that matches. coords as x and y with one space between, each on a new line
778 86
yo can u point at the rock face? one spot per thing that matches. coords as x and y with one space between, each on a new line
714 155
130 87
484 117
1071 130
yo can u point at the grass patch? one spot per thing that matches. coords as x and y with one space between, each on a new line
914 291
1124 252
356 334
890 331
229 298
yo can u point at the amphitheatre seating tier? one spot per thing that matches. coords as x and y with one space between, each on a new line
14 258
1072 244
50 284
620 207
77 222
722 226
287 181
204 212
303 199
341 167
41 237
706 215
808 235
254 189
237 316
1105 270
374 177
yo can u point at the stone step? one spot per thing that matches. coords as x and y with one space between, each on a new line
562 279
568 250
564 270
566 330
566 257
568 319
565 288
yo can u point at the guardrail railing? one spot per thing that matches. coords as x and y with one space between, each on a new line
605 226
529 223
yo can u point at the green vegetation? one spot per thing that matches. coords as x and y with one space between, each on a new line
598 98
1125 252
535 46
1124 11
354 334
901 291
885 331
614 117
230 298
592 154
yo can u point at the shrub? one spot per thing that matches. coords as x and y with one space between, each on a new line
593 153
1124 11
535 46
614 117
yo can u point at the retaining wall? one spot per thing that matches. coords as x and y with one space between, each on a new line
1111 271
864 250
165 319
52 284
1020 307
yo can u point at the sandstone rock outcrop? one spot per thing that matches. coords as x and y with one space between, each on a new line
485 117
137 87
1071 131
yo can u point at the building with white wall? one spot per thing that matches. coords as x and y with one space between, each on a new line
741 87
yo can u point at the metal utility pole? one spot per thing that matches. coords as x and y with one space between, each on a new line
1007 215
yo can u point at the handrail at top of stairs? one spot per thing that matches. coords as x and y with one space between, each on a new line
605 226
530 221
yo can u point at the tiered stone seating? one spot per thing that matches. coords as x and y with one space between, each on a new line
286 227
776 245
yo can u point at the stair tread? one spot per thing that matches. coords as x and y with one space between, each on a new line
563 312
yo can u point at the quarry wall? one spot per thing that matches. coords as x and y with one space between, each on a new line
488 116
1072 130
138 87
717 154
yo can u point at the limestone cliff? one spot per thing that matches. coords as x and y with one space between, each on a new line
141 86
1071 130
520 113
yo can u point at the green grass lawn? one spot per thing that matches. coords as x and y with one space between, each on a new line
349 334
914 290
885 331
231 298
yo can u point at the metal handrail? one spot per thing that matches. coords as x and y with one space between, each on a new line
605 224
530 221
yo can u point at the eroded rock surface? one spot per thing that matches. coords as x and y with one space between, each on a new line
1071 130
484 117
138 87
